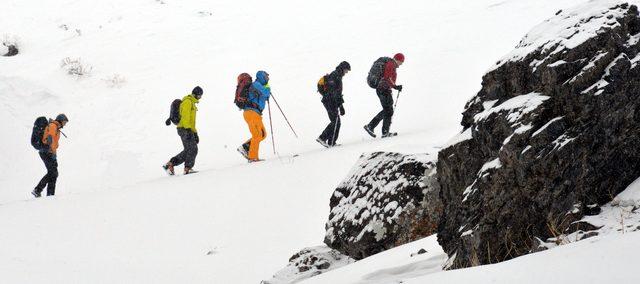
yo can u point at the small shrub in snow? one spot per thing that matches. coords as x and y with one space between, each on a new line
115 81
75 66
9 46
66 28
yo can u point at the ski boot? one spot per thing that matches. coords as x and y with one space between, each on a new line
168 167
390 134
322 142
369 131
244 151
188 171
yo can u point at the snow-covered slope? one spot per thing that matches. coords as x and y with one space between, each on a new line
216 226
116 134
600 260
605 258
118 219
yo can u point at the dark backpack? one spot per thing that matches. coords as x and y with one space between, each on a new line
38 132
377 71
174 112
242 90
322 85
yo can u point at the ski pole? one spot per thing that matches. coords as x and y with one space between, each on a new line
273 140
397 99
285 117
65 135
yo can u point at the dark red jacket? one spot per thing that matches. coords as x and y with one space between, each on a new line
389 75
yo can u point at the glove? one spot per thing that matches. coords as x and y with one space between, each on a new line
197 138
54 156
168 122
398 87
341 110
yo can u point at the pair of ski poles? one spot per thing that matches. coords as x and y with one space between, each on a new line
273 141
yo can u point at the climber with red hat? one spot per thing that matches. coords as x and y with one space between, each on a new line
382 77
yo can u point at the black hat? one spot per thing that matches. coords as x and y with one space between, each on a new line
62 117
197 91
344 66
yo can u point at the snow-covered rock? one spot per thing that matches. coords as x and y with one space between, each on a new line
388 199
554 135
8 47
310 262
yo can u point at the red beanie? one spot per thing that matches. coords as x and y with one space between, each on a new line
399 57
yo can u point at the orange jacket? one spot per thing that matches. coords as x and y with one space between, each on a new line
52 135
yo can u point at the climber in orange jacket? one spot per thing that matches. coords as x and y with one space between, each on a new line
48 155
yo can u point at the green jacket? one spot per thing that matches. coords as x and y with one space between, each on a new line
188 111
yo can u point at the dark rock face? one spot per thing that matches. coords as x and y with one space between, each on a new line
387 200
553 133
309 262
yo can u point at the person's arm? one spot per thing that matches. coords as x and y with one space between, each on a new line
265 91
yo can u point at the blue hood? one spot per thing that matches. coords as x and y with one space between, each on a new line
261 77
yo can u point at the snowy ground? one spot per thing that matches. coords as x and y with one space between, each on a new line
597 260
118 219
605 258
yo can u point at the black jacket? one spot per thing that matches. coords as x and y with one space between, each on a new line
334 88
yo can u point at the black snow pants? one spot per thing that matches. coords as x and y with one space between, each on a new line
331 132
49 180
386 100
188 155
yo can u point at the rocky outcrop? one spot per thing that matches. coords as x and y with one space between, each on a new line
309 262
553 134
388 199
7 49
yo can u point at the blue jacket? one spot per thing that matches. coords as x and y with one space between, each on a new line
259 93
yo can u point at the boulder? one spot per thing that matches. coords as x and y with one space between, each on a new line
553 134
309 262
388 199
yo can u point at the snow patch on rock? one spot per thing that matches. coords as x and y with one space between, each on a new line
566 30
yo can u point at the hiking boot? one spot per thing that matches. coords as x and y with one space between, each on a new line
189 171
390 134
36 194
243 151
255 160
370 131
168 167
322 142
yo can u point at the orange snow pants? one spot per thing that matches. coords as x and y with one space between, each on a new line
254 121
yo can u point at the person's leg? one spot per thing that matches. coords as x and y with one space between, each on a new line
380 116
328 131
386 99
45 179
258 133
336 131
53 176
180 158
191 150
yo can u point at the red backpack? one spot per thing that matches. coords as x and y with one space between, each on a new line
242 90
